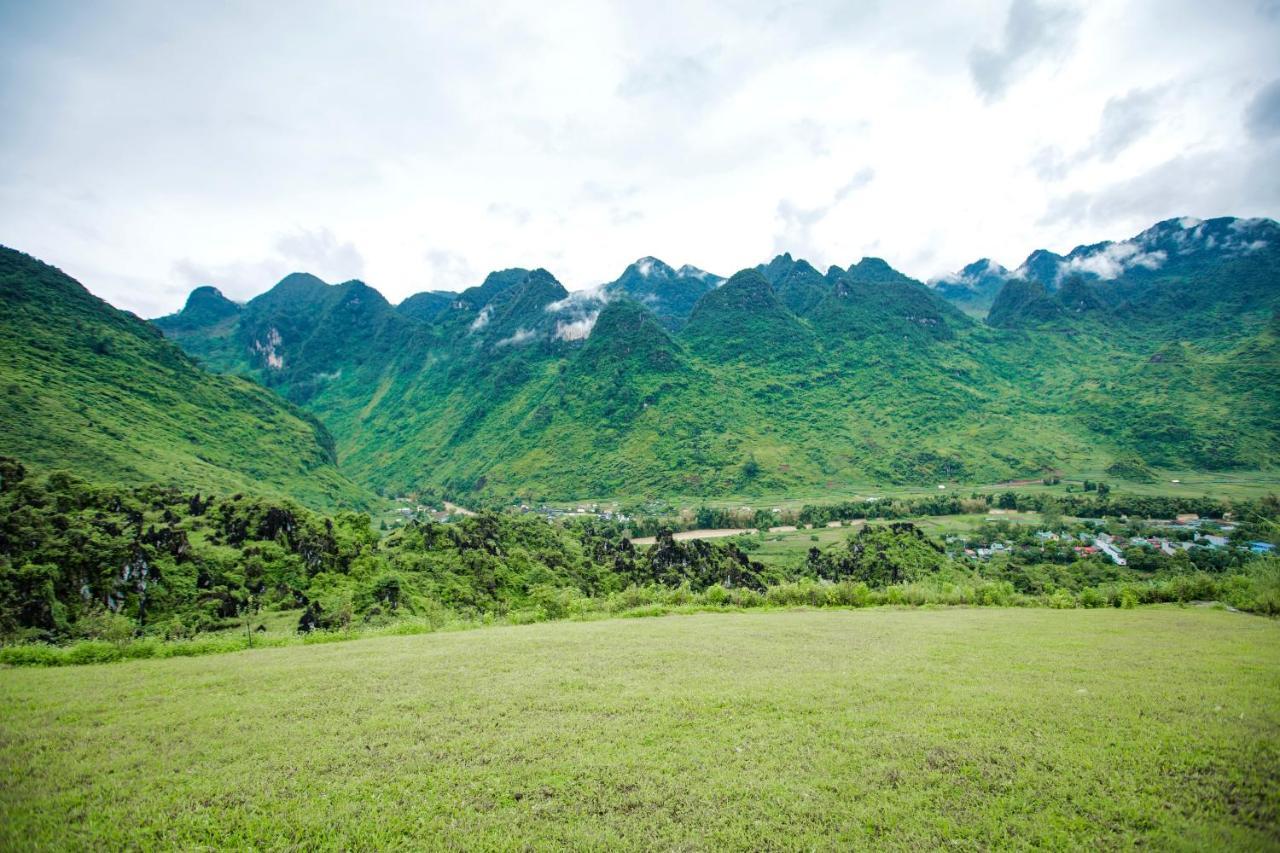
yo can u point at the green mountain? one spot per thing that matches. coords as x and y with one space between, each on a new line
670 381
101 393
669 293
1180 277
973 288
744 322
799 286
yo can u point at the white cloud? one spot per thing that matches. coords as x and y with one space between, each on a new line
317 251
577 330
450 271
519 336
482 319
1112 261
147 149
1032 31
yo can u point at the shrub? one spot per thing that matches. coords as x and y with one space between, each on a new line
745 597
997 594
716 595
848 594
102 624
1062 600
1091 597
554 602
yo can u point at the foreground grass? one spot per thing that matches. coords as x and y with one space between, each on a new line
894 728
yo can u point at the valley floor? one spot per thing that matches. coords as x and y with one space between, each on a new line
830 729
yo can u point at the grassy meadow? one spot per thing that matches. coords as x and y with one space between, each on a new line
970 728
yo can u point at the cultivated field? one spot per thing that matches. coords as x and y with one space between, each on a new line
833 729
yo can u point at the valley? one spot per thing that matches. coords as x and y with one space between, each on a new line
705 426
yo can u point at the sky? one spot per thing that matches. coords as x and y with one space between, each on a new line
150 147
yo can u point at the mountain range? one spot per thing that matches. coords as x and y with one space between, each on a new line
1158 351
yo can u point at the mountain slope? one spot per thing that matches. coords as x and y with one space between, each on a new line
799 286
1186 277
101 393
743 321
973 288
783 379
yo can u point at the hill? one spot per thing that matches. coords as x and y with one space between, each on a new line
782 377
101 393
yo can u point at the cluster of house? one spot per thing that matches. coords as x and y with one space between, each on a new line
421 512
1114 547
552 513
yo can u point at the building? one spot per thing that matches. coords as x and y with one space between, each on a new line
1112 552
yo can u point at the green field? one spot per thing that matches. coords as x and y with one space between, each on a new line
833 729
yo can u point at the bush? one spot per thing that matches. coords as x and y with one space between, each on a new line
1091 597
631 598
1062 600
554 602
998 594
746 597
848 594
716 595
104 625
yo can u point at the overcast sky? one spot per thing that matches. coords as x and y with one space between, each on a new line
150 147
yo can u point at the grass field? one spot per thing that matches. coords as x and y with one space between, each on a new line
888 728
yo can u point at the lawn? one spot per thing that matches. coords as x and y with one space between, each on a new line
830 729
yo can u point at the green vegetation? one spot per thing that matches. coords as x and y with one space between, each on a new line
100 392
94 573
890 729
781 381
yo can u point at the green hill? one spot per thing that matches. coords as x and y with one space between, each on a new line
1161 348
100 392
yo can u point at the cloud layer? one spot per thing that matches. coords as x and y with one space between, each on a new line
417 146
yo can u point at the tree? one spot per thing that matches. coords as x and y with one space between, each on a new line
1051 513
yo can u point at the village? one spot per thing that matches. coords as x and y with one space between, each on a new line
1167 537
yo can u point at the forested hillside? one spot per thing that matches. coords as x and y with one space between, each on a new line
678 382
100 392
